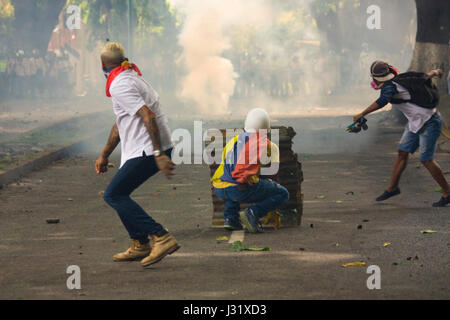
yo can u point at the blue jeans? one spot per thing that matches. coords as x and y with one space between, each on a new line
130 176
426 138
265 195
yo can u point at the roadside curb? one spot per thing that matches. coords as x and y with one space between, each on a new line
44 159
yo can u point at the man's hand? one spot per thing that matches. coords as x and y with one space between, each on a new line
101 165
435 73
357 117
165 165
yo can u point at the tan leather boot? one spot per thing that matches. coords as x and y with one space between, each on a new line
134 252
161 247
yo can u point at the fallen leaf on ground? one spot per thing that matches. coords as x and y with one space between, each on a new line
386 244
428 231
320 197
274 218
255 248
223 238
353 264
238 247
339 201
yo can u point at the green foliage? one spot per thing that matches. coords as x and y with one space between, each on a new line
6 18
152 21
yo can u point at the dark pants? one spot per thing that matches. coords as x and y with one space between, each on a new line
266 196
130 176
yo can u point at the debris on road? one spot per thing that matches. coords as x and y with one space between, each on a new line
223 238
428 231
53 220
273 217
353 264
386 244
321 196
360 227
237 246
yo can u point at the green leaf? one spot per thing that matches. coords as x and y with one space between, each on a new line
255 248
428 231
238 247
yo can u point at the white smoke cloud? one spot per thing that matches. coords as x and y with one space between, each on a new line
211 78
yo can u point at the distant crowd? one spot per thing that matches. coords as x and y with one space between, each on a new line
32 75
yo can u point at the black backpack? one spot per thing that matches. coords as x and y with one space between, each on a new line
423 91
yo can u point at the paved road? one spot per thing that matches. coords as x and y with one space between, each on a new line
303 263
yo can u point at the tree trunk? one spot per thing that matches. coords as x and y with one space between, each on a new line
432 40
432 48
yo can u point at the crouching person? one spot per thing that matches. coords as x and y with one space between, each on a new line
237 180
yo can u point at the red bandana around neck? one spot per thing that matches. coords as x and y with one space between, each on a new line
118 70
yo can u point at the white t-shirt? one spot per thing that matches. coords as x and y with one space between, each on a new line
129 93
417 116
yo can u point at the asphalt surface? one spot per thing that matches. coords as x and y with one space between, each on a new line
341 223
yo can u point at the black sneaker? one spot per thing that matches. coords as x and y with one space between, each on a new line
386 195
250 221
442 203
232 225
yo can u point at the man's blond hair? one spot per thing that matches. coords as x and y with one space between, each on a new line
113 53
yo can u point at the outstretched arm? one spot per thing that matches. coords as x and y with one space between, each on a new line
372 108
162 161
101 165
435 73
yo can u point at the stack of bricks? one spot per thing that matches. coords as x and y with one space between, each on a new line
290 176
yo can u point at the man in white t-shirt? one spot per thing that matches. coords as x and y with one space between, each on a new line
422 131
145 138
